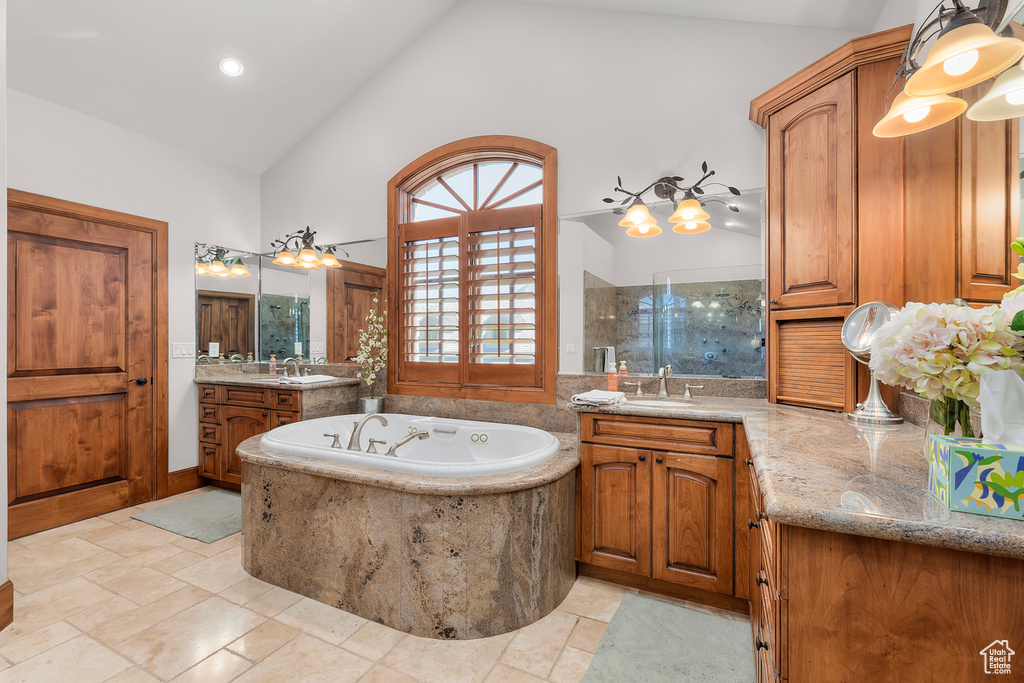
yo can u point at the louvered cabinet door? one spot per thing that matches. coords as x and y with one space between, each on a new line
808 365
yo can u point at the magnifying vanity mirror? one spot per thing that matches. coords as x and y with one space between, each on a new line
692 302
858 334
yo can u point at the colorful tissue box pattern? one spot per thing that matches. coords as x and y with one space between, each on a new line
970 476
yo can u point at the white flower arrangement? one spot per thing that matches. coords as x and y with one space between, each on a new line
373 345
941 350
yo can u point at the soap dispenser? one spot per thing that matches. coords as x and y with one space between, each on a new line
273 365
623 373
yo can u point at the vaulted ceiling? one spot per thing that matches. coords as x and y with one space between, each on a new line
151 66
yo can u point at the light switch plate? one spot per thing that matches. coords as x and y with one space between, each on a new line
318 349
570 348
183 350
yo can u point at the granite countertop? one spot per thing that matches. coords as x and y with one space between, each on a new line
565 461
816 470
263 382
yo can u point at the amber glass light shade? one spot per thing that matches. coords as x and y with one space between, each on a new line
217 267
239 269
910 114
330 260
637 215
285 258
689 211
964 56
692 227
644 230
306 265
200 268
307 255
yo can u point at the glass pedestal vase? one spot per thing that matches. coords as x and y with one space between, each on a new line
945 415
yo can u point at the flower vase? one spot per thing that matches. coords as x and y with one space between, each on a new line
944 414
371 405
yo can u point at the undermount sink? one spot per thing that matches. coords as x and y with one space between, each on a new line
655 403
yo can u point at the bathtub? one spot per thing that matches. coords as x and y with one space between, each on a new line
469 533
454 448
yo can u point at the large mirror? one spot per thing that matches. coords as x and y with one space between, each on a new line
693 302
252 308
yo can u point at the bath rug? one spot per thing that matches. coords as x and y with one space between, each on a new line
207 517
650 640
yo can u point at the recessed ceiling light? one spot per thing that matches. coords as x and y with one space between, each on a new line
231 66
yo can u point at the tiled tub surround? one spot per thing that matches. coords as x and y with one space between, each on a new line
677 324
815 470
429 556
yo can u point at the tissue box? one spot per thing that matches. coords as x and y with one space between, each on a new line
967 475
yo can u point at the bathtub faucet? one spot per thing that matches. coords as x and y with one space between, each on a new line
357 430
407 439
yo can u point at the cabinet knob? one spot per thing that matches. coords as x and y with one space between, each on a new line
752 525
750 463
658 460
773 301
761 644
264 414
642 458
760 580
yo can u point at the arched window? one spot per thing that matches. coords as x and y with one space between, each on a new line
471 272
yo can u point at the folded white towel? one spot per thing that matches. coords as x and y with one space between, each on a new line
597 397
310 379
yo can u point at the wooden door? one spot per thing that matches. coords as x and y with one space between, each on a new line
86 363
691 520
226 318
239 425
616 508
350 293
812 199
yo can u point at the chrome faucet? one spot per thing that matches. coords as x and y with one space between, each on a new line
294 362
687 394
409 437
357 429
663 375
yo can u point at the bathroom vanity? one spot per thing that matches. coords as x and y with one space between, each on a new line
853 572
233 409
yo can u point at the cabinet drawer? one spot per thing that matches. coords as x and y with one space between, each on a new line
287 400
209 457
711 438
209 393
246 396
278 418
209 433
210 412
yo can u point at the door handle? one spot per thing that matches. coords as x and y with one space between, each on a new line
141 381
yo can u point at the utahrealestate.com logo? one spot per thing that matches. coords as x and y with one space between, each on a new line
997 657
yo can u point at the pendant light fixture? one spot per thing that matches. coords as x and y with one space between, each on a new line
689 216
1005 100
966 53
213 261
309 254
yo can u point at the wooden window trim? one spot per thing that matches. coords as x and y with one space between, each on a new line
439 161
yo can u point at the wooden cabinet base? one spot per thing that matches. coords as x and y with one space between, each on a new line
717 600
6 604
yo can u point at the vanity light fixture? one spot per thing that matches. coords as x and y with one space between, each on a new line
310 255
212 260
967 52
1005 100
231 66
688 217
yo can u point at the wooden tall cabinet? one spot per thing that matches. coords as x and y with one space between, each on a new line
853 218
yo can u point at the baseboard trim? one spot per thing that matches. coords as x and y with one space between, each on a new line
6 604
726 602
183 481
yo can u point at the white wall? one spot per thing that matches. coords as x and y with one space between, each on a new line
616 93
3 283
61 153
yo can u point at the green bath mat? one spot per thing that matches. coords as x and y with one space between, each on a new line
208 517
649 640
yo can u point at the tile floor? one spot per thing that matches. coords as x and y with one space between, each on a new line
113 599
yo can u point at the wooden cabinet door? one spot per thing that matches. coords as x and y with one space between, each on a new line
989 205
616 508
691 523
812 199
239 424
350 294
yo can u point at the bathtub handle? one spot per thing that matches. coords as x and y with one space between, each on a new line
443 431
337 440
372 448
